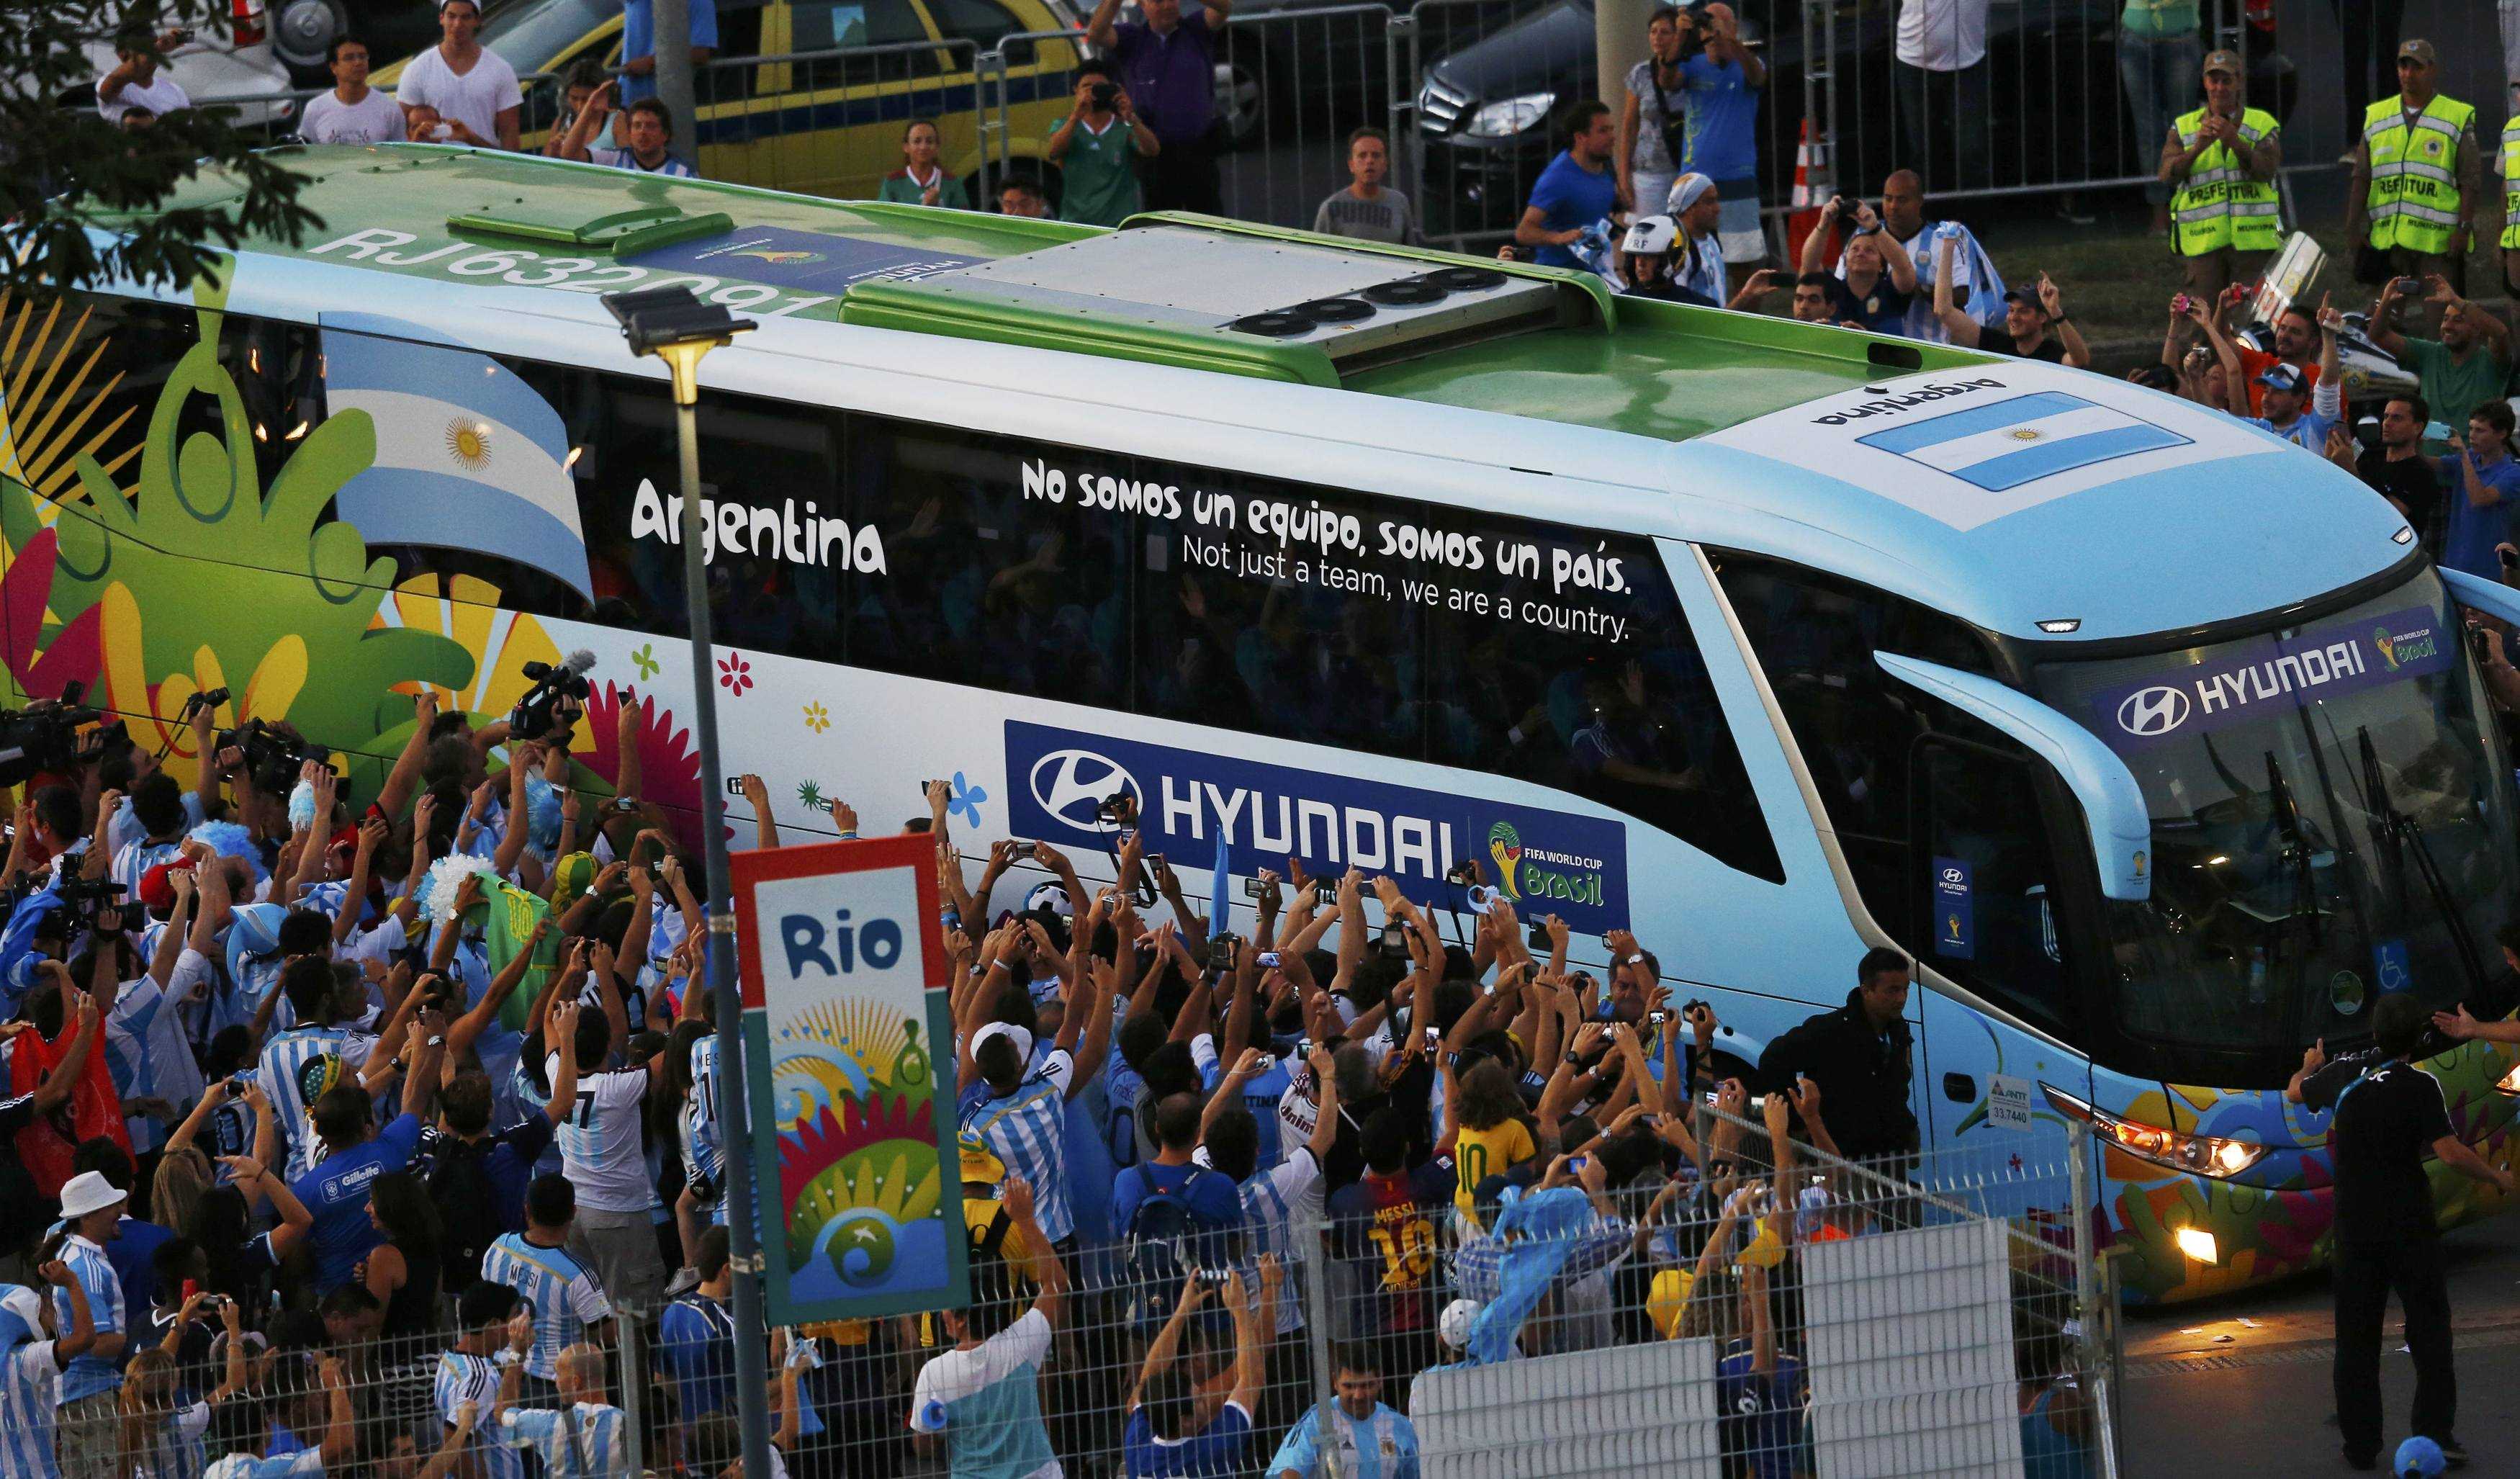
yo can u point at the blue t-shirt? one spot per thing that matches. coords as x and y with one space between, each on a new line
1762 1416
2473 532
639 39
336 1192
1570 198
1260 1095
1723 122
697 1342
1214 1201
134 1244
1217 1450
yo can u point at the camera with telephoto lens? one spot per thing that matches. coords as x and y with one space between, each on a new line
1119 808
43 736
273 754
1103 94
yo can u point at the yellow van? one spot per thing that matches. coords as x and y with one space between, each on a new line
771 114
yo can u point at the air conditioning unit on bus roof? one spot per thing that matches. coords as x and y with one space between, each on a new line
1355 305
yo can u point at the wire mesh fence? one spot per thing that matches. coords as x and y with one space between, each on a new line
1712 1297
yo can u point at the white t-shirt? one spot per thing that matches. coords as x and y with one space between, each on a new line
374 120
1940 35
600 1143
993 1384
478 96
160 97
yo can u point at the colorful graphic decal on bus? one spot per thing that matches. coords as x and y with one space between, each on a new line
147 559
813 260
2277 1218
2322 663
1189 803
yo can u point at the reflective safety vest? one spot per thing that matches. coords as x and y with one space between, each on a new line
2511 183
2221 204
2413 201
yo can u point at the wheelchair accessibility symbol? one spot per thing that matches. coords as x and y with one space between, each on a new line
2391 969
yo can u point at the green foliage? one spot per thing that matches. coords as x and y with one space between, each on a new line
63 167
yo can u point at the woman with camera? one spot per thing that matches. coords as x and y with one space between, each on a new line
1652 123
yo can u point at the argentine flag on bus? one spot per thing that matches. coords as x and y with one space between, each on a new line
468 455
2020 440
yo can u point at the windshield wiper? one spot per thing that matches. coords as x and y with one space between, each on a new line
2399 830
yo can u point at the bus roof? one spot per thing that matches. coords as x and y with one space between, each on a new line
2015 494
1179 291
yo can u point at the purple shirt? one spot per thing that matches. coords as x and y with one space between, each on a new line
1171 80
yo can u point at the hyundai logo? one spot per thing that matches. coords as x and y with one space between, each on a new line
1070 784
1952 876
2156 711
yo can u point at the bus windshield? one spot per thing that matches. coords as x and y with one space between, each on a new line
2331 821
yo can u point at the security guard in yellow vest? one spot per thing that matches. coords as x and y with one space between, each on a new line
2502 251
2416 178
2222 159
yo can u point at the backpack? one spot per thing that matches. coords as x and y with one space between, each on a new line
468 1209
1164 1240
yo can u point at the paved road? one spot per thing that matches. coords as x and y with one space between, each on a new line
2208 1394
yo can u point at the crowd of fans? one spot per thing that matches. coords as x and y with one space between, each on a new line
380 1136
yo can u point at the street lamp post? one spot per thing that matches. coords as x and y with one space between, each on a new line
675 327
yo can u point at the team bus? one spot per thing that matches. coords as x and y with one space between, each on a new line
2153 742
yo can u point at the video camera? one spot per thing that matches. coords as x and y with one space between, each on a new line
44 736
82 899
273 756
535 713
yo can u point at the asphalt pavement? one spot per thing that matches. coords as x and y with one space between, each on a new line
2239 1385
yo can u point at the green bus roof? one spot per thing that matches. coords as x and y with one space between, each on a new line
1190 292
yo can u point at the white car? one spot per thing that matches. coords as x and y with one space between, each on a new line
228 65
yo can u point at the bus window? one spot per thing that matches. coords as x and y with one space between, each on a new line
1983 881
1308 656
1815 636
983 586
1596 689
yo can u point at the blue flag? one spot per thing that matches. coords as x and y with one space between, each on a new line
1218 905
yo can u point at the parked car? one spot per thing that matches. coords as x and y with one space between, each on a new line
1489 105
302 32
812 97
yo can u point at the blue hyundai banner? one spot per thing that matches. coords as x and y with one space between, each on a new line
809 260
1188 802
1955 911
2262 675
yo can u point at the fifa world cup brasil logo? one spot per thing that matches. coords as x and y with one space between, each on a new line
1504 845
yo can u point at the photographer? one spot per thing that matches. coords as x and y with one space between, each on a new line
1096 147
1653 122
1880 280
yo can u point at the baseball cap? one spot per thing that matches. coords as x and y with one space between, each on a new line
2226 62
2025 297
1455 1325
1650 236
1021 1040
2418 51
2418 1457
2283 376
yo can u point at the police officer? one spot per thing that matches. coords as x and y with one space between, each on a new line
2222 159
2389 1118
2416 178
2510 198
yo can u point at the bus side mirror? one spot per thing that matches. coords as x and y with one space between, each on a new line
2496 600
2113 806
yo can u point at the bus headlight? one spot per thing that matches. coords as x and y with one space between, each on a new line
2196 1154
